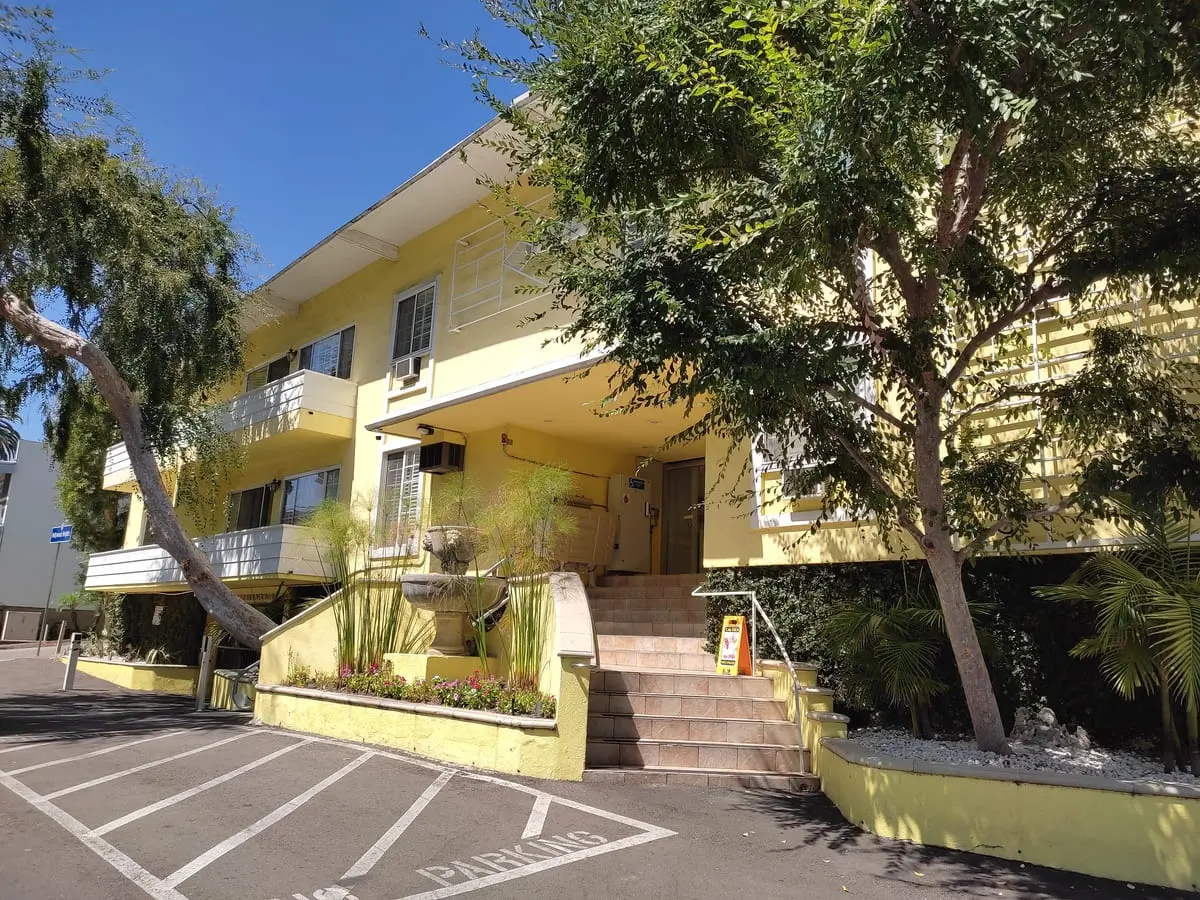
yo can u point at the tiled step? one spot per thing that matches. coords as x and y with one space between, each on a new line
695 663
646 616
661 629
711 778
625 703
687 728
650 643
690 684
694 755
688 581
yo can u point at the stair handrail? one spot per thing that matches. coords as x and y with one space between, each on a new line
756 610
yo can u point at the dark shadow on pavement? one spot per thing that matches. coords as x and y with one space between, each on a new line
822 827
33 707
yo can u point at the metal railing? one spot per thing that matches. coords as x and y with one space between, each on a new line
756 610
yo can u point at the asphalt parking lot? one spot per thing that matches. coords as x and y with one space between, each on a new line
110 794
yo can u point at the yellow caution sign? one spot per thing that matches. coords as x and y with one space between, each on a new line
734 658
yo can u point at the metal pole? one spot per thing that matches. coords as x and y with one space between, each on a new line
753 634
62 627
206 663
49 594
72 661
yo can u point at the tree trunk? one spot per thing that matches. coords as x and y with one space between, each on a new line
1193 739
946 569
241 620
1170 737
968 655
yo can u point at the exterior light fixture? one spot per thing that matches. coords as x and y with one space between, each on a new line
425 430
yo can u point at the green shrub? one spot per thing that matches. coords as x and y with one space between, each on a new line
475 692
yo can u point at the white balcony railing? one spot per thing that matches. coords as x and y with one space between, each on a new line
305 402
285 404
276 553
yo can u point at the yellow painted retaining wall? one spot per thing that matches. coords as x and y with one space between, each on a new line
310 639
140 676
1131 832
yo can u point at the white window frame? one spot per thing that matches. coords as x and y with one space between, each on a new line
263 368
283 485
414 547
266 485
335 333
425 356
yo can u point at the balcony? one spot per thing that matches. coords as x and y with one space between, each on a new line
304 407
294 412
118 471
256 558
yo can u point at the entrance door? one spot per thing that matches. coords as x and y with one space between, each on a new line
683 517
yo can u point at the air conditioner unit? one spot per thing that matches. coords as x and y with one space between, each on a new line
442 458
406 370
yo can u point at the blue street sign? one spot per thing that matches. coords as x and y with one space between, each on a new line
60 534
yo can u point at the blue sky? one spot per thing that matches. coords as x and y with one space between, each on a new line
300 113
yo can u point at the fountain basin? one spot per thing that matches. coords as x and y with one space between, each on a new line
451 598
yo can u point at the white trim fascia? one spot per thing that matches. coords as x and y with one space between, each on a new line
490 388
450 154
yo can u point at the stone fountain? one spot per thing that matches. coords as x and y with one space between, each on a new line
451 594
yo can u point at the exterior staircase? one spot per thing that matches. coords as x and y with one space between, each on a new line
658 713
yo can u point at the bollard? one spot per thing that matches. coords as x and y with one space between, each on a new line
62 627
207 652
72 661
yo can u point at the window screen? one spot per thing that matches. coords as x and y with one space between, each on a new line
400 500
414 323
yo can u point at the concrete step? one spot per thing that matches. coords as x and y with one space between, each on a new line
694 755
721 779
690 631
690 684
650 643
689 728
634 595
637 660
626 703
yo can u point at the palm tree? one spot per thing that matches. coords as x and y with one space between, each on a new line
1147 603
891 649
9 439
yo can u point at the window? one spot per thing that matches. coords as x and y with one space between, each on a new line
400 500
264 375
331 355
4 483
250 508
414 323
304 493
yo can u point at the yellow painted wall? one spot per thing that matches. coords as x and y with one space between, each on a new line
308 639
1113 834
165 679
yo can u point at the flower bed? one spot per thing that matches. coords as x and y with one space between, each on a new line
476 692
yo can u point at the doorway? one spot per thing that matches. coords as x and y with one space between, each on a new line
683 517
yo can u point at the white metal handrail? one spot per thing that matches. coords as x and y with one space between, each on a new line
756 610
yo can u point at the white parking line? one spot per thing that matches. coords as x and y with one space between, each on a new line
198 789
8 749
185 872
144 766
537 818
102 848
94 753
367 861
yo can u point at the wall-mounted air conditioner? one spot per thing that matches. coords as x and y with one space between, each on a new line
442 458
406 370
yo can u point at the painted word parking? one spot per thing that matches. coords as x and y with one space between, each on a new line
217 811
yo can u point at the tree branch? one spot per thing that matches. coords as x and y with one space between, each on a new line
1007 523
906 521
1001 396
887 246
242 621
874 409
1047 291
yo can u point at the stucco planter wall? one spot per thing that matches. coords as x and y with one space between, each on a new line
142 676
1127 831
